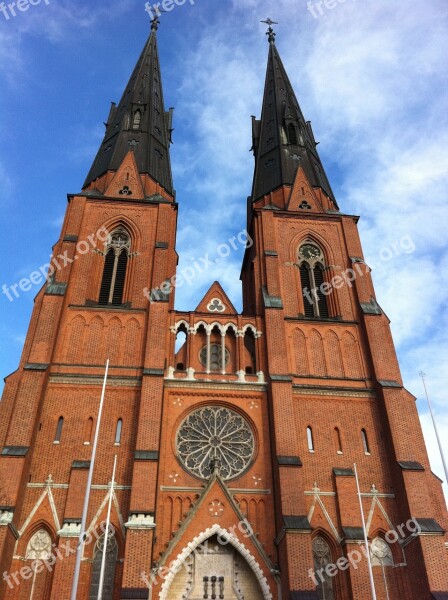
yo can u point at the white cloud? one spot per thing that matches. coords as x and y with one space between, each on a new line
56 22
431 443
377 99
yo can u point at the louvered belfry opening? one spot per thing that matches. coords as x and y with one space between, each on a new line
321 298
117 297
115 268
312 278
306 289
292 134
107 277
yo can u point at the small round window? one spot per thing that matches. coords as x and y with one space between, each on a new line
215 357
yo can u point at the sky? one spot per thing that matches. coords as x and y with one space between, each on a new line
372 77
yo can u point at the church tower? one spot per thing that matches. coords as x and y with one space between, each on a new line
236 434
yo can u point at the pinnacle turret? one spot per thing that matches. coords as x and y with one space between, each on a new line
139 123
283 140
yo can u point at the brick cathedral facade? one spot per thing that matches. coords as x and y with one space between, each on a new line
236 434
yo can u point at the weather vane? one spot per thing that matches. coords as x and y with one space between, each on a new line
270 32
154 13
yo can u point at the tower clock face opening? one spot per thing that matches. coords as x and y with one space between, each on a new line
309 252
211 434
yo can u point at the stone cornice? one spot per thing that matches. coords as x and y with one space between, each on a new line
215 385
79 379
65 486
307 390
199 490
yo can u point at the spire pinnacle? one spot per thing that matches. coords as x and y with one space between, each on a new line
283 140
270 32
139 123
155 22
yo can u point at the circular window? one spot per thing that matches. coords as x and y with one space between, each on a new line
215 357
215 433
310 252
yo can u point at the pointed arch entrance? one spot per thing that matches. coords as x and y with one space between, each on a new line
215 565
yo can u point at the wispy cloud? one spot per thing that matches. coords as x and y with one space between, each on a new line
378 105
58 22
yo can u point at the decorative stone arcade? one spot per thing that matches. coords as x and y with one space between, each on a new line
209 347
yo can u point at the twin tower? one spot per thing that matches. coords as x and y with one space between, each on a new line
236 434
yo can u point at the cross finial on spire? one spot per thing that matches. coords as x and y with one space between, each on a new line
155 22
270 32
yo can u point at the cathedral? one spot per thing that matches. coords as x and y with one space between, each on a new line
256 451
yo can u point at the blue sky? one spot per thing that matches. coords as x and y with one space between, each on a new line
370 74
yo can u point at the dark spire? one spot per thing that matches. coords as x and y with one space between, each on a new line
139 123
282 139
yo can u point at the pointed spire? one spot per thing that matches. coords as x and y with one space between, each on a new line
139 123
282 139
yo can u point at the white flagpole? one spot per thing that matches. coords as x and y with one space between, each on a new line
423 375
106 533
372 582
82 534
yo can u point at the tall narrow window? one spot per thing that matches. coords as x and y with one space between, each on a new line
320 296
39 550
309 439
311 263
88 431
137 120
322 557
107 276
306 290
292 134
118 431
337 440
109 571
60 425
115 267
365 441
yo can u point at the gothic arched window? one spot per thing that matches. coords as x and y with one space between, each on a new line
311 264
109 571
292 134
310 439
137 120
380 553
38 550
88 431
337 440
365 441
115 266
322 557
60 425
39 546
118 431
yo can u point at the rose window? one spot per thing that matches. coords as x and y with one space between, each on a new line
215 434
